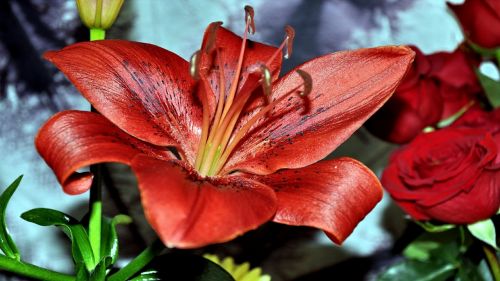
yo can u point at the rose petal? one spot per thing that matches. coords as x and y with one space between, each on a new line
143 89
333 195
482 202
188 211
348 87
71 140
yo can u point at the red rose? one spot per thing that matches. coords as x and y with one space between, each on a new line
436 87
480 20
451 175
458 84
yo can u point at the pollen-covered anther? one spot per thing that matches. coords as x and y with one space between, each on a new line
286 46
266 80
194 65
211 33
308 83
249 15
290 35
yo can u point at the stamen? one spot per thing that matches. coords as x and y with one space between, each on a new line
287 44
307 84
194 65
249 14
290 35
266 80
212 32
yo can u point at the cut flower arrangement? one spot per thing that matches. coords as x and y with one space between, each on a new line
224 143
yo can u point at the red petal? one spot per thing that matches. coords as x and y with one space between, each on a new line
71 140
143 89
333 195
348 87
188 211
229 46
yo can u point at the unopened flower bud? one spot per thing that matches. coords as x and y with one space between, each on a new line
99 14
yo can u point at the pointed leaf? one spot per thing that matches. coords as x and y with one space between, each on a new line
7 245
484 231
491 88
80 244
180 266
109 237
418 271
430 227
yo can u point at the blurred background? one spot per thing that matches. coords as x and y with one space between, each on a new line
31 90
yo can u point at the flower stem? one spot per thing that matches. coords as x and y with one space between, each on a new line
95 218
138 262
32 271
97 34
491 257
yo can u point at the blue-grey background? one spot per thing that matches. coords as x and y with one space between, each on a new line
31 90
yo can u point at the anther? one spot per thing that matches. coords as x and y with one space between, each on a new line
290 35
211 33
307 82
194 65
266 80
249 14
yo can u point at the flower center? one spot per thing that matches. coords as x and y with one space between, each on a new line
219 137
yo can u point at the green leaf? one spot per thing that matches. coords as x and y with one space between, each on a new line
435 247
181 266
109 237
483 51
430 227
491 88
484 231
468 271
99 272
7 245
80 244
418 271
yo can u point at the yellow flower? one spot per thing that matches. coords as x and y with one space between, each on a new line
240 272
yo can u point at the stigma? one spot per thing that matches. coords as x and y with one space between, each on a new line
219 135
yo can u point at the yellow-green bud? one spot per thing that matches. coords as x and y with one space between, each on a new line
99 14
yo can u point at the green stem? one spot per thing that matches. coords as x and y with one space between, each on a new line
138 262
95 219
97 34
491 257
32 271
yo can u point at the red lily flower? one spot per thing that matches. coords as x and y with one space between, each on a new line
220 155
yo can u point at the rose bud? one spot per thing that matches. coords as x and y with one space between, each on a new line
450 175
415 105
458 84
480 21
438 86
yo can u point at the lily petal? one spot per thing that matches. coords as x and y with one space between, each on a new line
348 87
188 211
332 195
71 140
229 45
143 89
